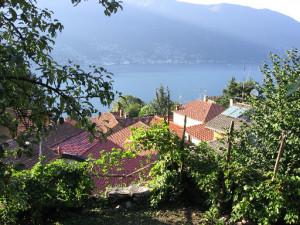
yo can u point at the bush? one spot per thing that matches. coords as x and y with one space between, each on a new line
45 189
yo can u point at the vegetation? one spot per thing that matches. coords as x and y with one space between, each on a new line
129 105
36 91
33 195
163 103
238 91
242 183
133 106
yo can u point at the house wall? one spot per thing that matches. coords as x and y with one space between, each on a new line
178 119
195 141
218 135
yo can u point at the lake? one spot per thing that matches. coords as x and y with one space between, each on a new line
186 82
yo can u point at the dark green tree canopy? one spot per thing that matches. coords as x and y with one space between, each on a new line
239 91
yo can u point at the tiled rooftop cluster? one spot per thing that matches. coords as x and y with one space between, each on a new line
206 118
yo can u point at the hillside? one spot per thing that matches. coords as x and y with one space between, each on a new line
172 32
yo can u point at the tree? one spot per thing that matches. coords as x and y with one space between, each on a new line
163 103
33 86
239 91
35 90
129 105
275 112
147 110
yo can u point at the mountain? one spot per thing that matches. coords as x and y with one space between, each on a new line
166 31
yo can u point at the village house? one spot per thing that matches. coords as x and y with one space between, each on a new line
197 113
221 123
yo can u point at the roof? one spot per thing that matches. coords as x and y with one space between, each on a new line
106 121
77 145
112 121
29 161
199 110
57 134
222 123
61 133
176 129
116 140
200 132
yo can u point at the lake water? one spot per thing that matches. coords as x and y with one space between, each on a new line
186 82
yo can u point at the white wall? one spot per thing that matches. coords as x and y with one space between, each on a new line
195 141
178 119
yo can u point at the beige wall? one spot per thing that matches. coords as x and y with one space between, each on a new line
218 135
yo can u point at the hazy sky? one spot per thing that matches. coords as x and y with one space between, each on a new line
288 7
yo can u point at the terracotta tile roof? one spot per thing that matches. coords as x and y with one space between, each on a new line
28 161
128 165
200 132
106 121
176 129
77 145
61 133
57 135
201 110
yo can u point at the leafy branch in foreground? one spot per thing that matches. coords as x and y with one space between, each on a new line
33 86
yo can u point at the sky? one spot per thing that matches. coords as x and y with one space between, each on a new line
290 8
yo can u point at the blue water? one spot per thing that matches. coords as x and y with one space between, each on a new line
186 82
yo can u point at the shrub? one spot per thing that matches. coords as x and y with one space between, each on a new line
54 187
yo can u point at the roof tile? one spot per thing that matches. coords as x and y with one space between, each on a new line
201 110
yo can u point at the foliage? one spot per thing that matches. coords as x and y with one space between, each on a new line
33 85
239 91
243 187
268 201
133 106
36 91
163 103
129 105
147 110
32 194
274 112
177 166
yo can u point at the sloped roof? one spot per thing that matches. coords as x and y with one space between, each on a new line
199 110
57 134
176 129
200 132
106 121
77 145
222 123
61 133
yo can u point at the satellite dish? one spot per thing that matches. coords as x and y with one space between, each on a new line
254 93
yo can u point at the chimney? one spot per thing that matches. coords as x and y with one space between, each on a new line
121 112
205 98
231 102
59 151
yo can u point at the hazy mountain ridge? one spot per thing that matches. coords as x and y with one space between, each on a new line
173 32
